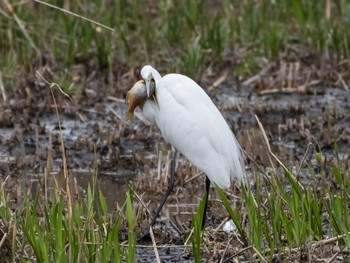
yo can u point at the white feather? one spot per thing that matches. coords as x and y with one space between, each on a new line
189 121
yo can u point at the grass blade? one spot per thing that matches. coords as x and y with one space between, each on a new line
232 214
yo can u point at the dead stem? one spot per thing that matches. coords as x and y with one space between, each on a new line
226 248
51 85
2 89
3 239
177 225
154 245
238 253
193 177
218 81
74 14
259 254
115 113
267 144
64 159
333 257
221 224
140 199
189 237
329 240
303 159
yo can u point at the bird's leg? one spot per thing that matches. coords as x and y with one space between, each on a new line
207 188
171 181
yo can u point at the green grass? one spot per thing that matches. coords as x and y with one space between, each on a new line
276 214
197 238
186 36
91 235
287 214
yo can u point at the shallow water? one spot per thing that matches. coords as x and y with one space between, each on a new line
99 139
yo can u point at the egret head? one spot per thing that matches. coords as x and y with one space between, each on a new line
151 77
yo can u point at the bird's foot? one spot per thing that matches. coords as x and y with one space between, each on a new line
145 237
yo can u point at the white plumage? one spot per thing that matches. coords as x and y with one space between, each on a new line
189 121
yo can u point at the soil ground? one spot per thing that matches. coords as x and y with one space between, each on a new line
98 138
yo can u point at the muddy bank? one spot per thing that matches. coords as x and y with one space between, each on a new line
99 141
98 138
96 134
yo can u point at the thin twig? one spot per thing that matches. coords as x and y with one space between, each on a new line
267 143
330 240
63 149
175 226
304 157
53 84
328 9
114 112
226 248
251 80
255 163
189 237
193 177
270 151
259 254
218 81
343 83
115 99
140 199
238 253
125 244
3 239
221 224
2 88
154 245
340 122
333 257
74 14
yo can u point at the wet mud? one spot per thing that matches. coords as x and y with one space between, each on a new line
99 140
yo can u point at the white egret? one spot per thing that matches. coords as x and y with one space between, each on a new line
192 124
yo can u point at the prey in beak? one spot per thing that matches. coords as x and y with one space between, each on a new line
136 97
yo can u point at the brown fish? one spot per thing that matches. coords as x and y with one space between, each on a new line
136 97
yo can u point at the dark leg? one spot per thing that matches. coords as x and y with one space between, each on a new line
207 188
171 181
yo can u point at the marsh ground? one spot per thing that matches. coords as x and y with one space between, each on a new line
288 63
